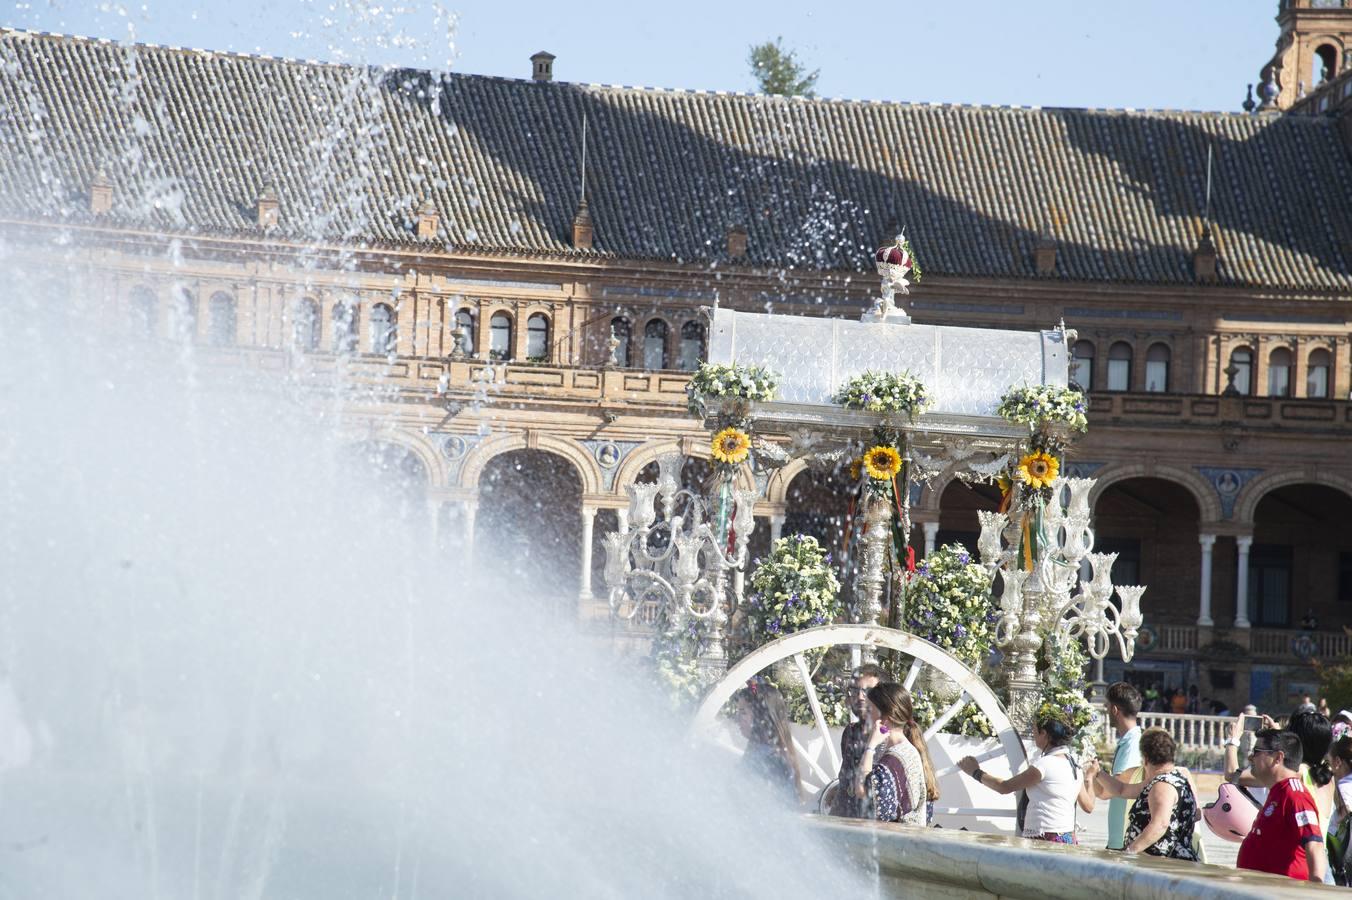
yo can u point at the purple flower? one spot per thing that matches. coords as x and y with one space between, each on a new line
964 558
959 632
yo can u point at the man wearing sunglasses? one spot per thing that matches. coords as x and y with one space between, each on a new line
1286 838
853 741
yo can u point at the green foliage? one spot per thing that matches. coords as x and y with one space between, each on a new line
948 603
795 587
1335 683
778 71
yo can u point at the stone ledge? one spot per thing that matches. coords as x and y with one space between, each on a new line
958 864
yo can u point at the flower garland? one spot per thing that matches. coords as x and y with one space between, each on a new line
795 587
948 603
1063 661
884 392
712 381
1043 405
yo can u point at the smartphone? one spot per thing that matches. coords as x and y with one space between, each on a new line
1253 723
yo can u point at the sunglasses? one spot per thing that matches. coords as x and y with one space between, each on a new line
1257 750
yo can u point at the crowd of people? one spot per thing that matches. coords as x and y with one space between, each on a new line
1288 795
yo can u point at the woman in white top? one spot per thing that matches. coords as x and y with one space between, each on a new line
1053 782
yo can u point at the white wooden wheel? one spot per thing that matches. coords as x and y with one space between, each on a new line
962 802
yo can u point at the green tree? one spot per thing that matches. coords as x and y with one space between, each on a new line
779 71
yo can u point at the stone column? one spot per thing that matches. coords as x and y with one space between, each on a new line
1208 541
1243 543
434 533
588 525
931 534
1300 368
468 510
776 528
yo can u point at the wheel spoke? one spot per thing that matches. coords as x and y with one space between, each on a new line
949 713
822 775
916 666
996 751
832 753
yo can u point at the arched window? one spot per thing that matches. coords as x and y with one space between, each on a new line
305 325
1157 368
1317 374
1119 366
621 331
1325 64
655 345
1241 361
221 320
183 315
464 327
345 314
142 309
1082 365
383 332
537 338
692 346
500 336
1279 372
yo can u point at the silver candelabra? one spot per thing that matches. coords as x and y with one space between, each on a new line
681 561
1038 560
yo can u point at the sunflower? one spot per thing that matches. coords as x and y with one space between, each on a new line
856 468
1038 470
882 463
731 446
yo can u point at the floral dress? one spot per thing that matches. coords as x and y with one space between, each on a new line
897 786
1177 840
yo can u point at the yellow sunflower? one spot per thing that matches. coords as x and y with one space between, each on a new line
731 446
856 468
1038 469
882 463
1003 483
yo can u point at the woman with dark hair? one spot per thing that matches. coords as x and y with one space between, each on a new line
901 778
1052 782
763 717
1164 813
1340 824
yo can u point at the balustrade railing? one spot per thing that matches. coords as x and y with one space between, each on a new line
1190 732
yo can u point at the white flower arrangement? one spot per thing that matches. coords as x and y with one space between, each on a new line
713 382
948 603
1044 404
884 392
795 587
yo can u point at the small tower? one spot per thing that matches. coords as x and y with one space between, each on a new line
542 66
1314 45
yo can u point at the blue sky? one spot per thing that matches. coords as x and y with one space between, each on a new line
1195 54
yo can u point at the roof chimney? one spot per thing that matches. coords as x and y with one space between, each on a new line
429 221
737 242
542 66
582 227
1204 257
100 194
269 210
1044 256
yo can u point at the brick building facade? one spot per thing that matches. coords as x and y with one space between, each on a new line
443 240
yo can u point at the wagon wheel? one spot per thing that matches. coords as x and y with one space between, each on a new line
962 802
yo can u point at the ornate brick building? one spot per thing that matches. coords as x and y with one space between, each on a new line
515 305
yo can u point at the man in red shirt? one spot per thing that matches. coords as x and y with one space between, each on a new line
1286 838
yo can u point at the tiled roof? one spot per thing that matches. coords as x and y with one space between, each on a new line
189 138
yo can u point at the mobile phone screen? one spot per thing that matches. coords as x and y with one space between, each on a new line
1253 723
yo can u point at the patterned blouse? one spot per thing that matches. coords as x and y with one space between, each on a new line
1177 840
897 786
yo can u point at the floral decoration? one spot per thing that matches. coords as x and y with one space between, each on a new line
795 587
731 446
969 721
1063 661
1042 405
882 463
884 392
1038 469
712 381
948 603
